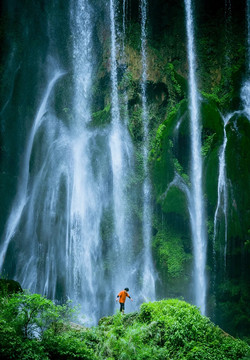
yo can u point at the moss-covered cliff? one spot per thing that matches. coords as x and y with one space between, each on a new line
221 55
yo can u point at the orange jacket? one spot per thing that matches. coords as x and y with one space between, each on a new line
122 295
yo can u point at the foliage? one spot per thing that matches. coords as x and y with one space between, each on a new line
24 318
135 124
169 329
101 117
207 145
170 253
175 89
67 345
30 315
133 37
157 143
165 130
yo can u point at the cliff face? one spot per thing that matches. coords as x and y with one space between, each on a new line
220 42
221 33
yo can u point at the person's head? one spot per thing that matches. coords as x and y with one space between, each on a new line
126 289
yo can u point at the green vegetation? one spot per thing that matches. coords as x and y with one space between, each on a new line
33 327
174 201
207 144
220 72
135 124
101 117
175 84
170 253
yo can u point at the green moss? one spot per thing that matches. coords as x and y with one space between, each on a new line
133 37
179 170
135 124
211 177
165 129
233 310
237 165
212 122
101 117
157 143
207 144
8 287
212 140
167 329
175 202
170 252
164 163
175 88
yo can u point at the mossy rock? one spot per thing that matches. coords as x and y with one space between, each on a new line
8 287
172 258
175 201
237 165
135 124
162 157
212 122
106 320
211 172
102 117
168 329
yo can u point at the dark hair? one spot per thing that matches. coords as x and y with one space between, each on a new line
127 289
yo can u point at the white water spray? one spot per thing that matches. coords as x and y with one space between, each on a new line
148 288
221 195
56 216
21 197
116 142
197 206
85 196
122 165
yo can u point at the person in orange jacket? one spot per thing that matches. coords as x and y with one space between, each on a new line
122 298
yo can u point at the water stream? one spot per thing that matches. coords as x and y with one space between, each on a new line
222 201
196 206
22 196
148 271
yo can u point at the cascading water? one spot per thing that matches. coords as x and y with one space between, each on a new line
222 196
121 164
148 288
196 206
245 91
115 142
83 244
71 178
22 197
60 198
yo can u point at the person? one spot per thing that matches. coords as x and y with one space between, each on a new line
122 298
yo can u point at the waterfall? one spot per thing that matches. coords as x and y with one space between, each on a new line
121 160
21 197
115 142
221 196
197 206
85 194
55 218
148 270
245 91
